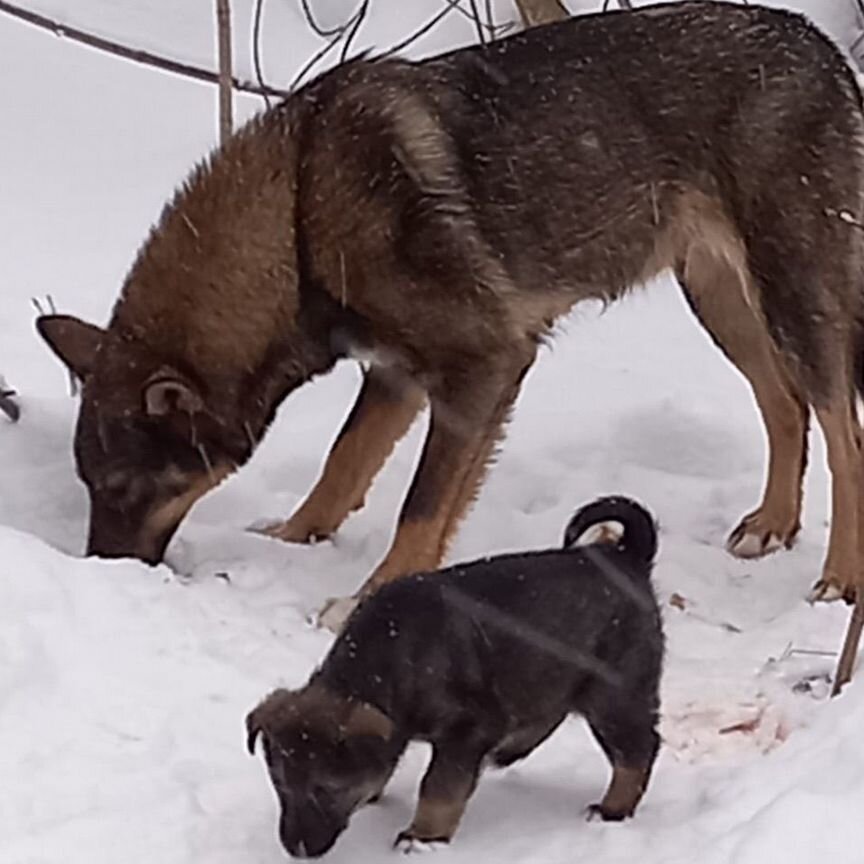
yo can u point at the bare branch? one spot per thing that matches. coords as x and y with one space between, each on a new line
256 48
323 32
490 19
478 22
354 28
136 55
451 5
315 59
226 108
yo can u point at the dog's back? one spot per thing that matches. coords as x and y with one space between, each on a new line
635 112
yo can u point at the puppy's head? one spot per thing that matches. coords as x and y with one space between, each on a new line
326 757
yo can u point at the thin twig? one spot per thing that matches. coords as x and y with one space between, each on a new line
490 20
256 47
136 55
314 59
323 32
478 21
354 28
451 5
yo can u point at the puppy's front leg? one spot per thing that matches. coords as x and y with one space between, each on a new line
444 792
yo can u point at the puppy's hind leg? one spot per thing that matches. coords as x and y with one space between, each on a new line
520 744
625 730
721 295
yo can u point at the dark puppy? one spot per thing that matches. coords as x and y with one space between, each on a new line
484 661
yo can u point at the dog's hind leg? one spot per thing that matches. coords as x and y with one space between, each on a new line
722 298
841 573
383 412
808 264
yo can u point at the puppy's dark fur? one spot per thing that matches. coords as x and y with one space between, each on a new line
484 661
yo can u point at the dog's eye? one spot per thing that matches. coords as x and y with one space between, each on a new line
120 489
114 483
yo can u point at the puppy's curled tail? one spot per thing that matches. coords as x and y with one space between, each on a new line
638 537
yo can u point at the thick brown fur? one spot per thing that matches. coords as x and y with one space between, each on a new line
435 219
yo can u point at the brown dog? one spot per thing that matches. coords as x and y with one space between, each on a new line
435 218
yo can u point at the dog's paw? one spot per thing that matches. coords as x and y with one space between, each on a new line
598 811
408 842
291 531
335 612
756 536
829 589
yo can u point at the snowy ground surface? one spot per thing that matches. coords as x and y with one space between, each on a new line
123 688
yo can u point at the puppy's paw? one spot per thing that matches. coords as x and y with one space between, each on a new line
408 842
598 811
335 612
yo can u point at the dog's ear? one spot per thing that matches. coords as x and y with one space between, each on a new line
167 393
261 720
253 729
366 720
74 341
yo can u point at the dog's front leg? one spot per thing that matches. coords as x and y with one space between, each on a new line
444 791
384 410
467 420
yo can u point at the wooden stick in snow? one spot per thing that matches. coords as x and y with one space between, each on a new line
846 664
226 118
536 12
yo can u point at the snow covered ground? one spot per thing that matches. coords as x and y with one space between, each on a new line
123 688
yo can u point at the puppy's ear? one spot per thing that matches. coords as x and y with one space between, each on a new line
366 719
74 341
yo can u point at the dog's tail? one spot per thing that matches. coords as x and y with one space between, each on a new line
633 529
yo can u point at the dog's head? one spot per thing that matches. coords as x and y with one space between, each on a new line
326 756
147 444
